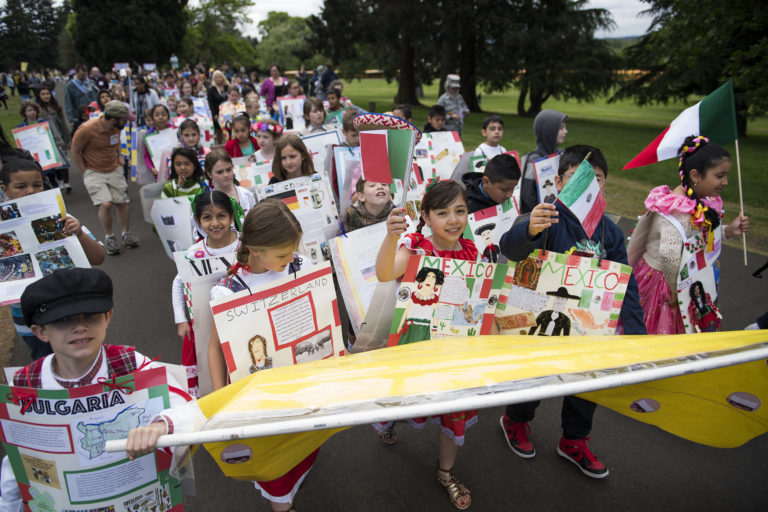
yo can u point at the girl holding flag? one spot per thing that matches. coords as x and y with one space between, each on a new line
674 216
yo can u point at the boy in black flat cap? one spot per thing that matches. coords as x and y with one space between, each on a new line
71 309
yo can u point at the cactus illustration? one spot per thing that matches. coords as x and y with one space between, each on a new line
471 331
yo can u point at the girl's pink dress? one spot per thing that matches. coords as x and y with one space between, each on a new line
454 425
659 315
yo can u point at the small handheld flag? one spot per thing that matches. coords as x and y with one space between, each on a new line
583 197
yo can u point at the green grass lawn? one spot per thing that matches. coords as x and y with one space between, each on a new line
620 130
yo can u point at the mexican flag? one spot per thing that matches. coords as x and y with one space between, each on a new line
583 197
714 117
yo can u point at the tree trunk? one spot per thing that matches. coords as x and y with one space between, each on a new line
449 47
406 86
521 99
468 55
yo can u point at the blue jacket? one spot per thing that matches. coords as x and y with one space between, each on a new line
607 242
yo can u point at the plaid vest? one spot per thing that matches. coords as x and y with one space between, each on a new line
121 360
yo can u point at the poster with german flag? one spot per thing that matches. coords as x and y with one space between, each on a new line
311 200
289 321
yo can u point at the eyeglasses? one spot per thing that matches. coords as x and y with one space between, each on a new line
71 321
600 181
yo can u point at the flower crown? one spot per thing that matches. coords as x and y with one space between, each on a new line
275 129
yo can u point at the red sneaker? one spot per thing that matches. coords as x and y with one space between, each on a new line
516 434
577 451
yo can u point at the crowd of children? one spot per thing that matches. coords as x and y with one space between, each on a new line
266 237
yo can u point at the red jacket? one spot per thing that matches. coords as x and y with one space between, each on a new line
233 147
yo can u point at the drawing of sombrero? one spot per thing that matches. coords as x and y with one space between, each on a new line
373 121
548 183
485 227
562 292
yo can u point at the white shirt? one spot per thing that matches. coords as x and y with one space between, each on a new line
177 288
253 281
489 151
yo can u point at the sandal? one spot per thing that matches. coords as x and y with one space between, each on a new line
457 492
388 436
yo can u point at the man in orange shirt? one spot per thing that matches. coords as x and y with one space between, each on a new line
96 151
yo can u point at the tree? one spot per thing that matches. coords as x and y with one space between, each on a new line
284 40
213 34
29 31
108 31
547 49
692 48
394 34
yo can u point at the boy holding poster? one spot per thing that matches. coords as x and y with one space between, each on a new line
71 309
553 227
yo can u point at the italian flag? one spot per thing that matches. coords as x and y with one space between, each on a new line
714 117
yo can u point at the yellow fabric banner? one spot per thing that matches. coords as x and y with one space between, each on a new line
722 407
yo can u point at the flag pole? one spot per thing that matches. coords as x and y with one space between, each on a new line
741 201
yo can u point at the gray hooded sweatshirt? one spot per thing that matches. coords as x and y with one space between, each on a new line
546 127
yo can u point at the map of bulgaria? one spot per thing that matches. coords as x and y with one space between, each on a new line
95 435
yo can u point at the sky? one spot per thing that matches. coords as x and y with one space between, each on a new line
625 13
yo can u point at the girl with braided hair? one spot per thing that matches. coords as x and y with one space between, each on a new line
444 211
656 248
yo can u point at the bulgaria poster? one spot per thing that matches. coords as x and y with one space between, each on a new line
56 446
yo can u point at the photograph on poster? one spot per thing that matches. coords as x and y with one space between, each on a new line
9 244
48 229
54 259
16 267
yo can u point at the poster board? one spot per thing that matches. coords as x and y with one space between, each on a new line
310 199
318 145
444 150
172 218
354 259
554 294
199 275
292 109
38 140
159 143
71 471
348 171
441 297
289 321
485 228
139 172
201 106
228 111
252 175
697 285
32 244
120 65
545 171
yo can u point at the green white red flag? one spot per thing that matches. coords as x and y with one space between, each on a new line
714 117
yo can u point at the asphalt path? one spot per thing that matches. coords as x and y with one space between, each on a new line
650 469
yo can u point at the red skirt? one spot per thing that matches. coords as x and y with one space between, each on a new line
453 425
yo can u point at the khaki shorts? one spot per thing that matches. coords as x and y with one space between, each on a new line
105 187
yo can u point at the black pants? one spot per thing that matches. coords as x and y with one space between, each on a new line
576 415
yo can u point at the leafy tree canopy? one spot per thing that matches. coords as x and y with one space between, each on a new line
108 31
694 47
